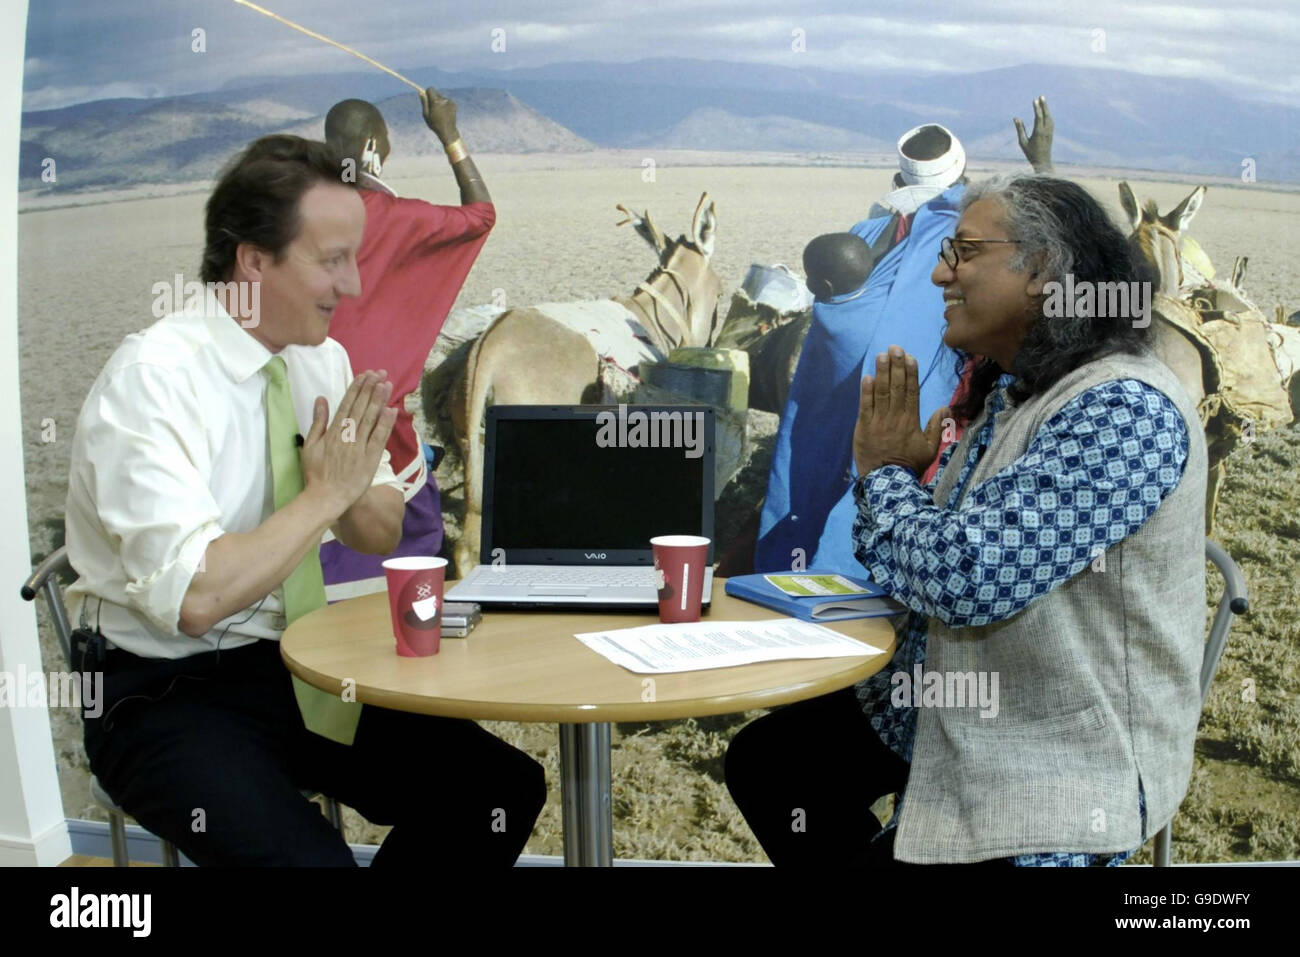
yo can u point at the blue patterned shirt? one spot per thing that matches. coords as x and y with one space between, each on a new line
1092 476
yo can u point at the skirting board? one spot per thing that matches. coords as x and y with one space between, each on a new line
48 848
91 838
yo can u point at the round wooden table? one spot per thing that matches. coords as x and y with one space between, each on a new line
527 666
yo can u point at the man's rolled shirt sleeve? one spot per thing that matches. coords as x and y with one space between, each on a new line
149 482
1092 475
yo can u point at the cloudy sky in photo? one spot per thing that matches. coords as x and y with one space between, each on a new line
79 50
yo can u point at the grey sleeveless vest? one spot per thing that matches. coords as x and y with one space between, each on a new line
1098 680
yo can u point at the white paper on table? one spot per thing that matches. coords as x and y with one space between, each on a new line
665 649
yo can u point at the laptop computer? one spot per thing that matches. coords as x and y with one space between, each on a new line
572 496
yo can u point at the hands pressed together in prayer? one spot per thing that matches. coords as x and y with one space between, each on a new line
888 430
340 458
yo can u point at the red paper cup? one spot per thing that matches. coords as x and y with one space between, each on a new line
680 563
415 602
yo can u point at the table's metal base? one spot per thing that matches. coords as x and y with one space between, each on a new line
584 788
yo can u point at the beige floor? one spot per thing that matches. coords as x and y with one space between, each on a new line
83 860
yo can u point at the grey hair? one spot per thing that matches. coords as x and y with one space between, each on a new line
1061 231
1039 230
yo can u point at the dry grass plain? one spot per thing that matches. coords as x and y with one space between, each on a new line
86 278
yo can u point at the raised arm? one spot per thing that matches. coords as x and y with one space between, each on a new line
1037 146
440 114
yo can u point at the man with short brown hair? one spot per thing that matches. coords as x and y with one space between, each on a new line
205 469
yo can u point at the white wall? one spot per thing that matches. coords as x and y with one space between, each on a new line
32 826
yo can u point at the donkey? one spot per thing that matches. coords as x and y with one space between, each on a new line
1211 356
1157 238
553 353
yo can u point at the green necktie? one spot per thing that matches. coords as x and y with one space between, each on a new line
304 590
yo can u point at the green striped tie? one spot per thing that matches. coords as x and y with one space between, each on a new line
304 590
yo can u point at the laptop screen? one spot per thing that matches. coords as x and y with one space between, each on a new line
591 485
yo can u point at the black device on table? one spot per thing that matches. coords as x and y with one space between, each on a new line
572 496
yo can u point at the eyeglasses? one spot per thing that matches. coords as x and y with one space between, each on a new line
948 249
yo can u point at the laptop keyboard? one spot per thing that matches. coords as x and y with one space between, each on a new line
529 575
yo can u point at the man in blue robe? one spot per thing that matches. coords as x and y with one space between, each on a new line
808 513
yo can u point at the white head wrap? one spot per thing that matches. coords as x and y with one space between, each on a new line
942 171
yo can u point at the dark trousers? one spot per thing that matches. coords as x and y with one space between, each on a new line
805 777
210 752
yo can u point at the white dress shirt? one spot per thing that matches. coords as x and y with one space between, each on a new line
171 453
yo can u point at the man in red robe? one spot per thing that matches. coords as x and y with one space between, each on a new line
414 258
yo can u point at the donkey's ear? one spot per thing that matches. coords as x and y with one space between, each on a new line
645 228
705 226
657 240
1181 215
1130 204
1239 272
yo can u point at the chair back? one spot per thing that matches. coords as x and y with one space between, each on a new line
1232 602
45 578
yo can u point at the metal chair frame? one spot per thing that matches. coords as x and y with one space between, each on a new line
45 578
1232 602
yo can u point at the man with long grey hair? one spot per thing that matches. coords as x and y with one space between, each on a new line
867 298
1041 707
